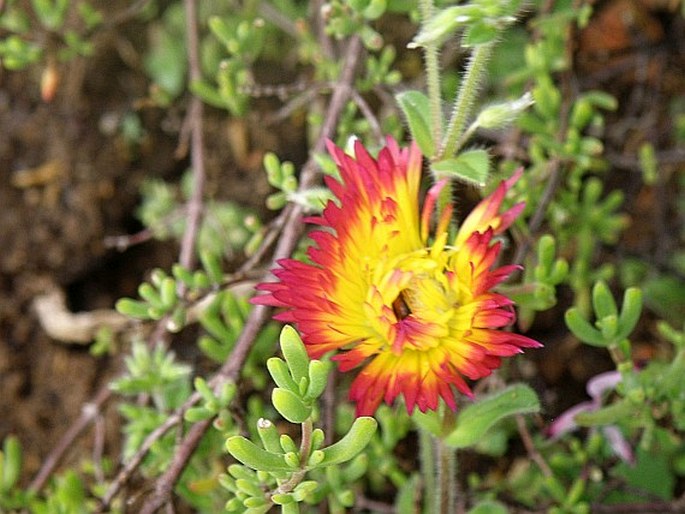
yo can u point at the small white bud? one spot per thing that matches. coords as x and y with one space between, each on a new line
502 114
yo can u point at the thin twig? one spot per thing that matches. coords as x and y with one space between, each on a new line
88 413
366 111
259 315
533 452
197 151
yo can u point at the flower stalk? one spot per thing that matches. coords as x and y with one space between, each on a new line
431 54
445 493
473 76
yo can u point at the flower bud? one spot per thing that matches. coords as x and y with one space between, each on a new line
502 114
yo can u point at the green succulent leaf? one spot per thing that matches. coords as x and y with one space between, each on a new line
582 329
251 455
603 301
352 443
281 374
318 378
295 353
476 419
10 463
290 406
269 435
630 311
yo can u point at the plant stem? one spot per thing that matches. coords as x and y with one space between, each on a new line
432 77
445 497
427 467
465 98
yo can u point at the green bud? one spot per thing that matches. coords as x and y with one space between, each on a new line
318 438
287 444
305 489
316 458
502 114
441 26
292 459
352 443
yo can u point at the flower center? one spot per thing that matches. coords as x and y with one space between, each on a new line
400 307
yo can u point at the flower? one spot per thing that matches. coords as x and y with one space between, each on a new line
418 314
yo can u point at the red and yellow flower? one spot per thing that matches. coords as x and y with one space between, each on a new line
418 313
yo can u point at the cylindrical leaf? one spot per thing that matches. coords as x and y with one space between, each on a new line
630 311
253 456
318 378
167 292
352 443
287 444
195 414
132 308
11 467
603 301
294 353
269 435
278 370
290 406
582 329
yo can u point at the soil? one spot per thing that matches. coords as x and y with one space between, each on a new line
67 183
